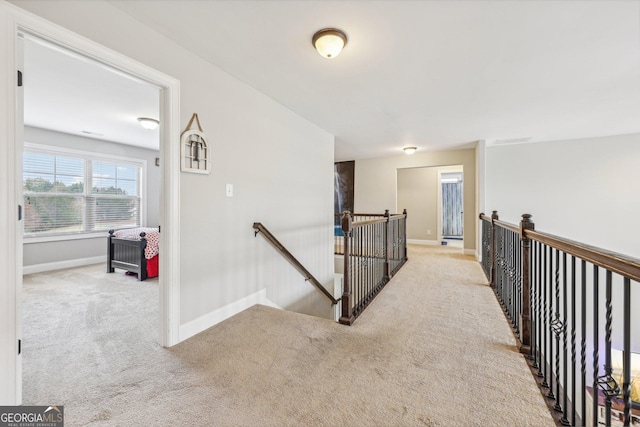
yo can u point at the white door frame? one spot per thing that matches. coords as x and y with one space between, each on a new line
14 20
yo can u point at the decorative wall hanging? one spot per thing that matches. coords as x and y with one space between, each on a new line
194 149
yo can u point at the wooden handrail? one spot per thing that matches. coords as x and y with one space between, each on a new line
356 224
618 263
508 226
259 228
622 264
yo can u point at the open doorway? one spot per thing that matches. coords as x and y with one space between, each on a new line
88 166
452 208
420 191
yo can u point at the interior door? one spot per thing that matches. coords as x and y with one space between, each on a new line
452 223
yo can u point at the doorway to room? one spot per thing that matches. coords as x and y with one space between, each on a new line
432 196
169 95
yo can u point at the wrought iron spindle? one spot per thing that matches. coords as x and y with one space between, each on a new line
596 306
534 306
565 398
540 313
545 370
549 270
626 354
607 383
558 328
583 342
573 341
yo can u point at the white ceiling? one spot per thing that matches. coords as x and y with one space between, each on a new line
69 93
432 74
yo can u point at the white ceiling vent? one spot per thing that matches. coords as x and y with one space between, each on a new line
512 140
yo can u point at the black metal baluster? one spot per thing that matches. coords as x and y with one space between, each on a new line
626 354
583 350
534 304
509 259
573 341
607 383
549 270
532 297
512 279
540 313
545 369
518 262
558 328
564 420
596 355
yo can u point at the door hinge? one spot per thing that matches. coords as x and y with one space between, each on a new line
19 78
158 229
19 212
19 346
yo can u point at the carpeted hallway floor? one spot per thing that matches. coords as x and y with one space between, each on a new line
433 349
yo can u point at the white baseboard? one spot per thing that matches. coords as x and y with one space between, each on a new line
203 323
423 242
471 252
59 265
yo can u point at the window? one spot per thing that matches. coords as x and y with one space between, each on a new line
69 192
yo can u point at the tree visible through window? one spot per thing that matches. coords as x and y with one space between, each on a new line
68 193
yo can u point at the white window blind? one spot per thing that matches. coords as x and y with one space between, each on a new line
70 193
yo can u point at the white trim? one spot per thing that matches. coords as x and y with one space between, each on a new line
471 252
202 323
422 242
64 237
90 155
60 265
10 227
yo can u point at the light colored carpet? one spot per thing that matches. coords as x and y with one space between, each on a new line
433 349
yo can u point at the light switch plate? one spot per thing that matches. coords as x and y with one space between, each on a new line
229 190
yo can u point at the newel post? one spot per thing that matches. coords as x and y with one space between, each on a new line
347 297
525 317
387 245
404 235
494 217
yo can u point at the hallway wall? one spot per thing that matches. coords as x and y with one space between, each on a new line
376 186
280 164
583 189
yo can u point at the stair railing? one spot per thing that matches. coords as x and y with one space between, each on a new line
550 289
259 228
373 249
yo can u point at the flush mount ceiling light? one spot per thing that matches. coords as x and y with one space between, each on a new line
147 123
329 42
410 150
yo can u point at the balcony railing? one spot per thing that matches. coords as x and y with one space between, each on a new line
551 290
374 248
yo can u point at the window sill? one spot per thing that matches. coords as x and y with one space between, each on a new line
43 239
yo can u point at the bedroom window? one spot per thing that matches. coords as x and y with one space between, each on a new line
70 192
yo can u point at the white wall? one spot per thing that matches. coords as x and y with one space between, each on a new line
585 190
418 193
66 250
376 184
281 167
